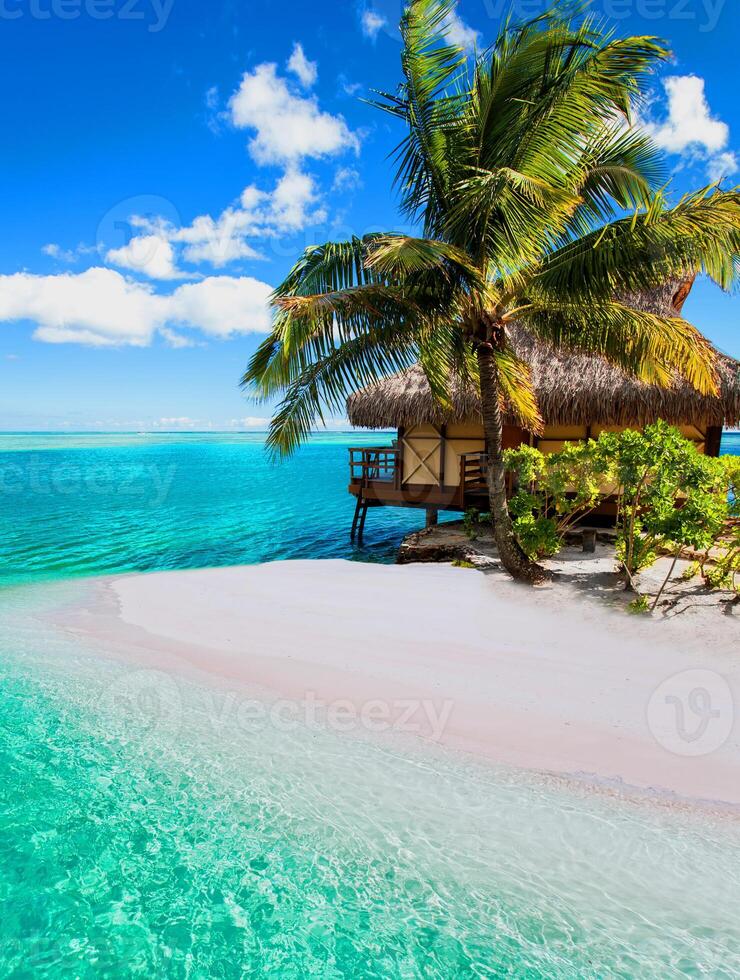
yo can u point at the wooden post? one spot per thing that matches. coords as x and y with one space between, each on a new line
589 540
712 440
442 454
432 517
399 464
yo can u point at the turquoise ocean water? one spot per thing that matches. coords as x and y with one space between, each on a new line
181 840
95 504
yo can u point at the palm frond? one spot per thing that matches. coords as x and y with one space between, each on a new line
700 234
656 349
516 390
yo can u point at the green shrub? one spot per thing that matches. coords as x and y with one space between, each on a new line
670 496
470 523
553 493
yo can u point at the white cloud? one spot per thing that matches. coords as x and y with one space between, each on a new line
250 422
690 121
222 306
690 130
150 255
101 307
346 179
348 87
722 165
305 71
97 307
69 255
176 340
293 204
459 33
289 127
216 241
176 422
213 115
372 23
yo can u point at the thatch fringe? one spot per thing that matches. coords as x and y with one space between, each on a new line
572 389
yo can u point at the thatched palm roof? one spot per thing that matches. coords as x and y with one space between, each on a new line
572 389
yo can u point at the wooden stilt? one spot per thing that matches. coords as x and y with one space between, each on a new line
356 518
361 526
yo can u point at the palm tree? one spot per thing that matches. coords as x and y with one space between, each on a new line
538 201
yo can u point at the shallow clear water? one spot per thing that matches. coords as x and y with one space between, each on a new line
153 827
180 837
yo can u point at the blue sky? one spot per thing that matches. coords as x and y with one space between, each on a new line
165 161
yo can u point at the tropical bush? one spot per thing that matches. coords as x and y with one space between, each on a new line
473 520
719 566
670 496
553 493
670 499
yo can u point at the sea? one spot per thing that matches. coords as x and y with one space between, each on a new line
197 847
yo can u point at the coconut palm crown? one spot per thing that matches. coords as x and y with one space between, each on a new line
537 200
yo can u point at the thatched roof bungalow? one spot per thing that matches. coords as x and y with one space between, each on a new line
433 463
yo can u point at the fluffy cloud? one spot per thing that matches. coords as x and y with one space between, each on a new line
346 179
305 71
288 127
68 255
176 422
372 23
222 306
150 255
722 165
690 129
250 422
293 203
101 307
459 33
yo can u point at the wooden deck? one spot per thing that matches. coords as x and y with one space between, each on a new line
376 479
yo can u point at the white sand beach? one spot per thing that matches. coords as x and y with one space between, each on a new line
525 678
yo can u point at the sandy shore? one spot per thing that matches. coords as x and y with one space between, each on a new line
530 679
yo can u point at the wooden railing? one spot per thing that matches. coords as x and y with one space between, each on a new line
472 474
370 464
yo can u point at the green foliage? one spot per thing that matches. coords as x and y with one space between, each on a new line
725 572
470 523
460 563
553 493
473 521
639 605
671 496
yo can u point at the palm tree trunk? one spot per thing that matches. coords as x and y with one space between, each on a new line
516 563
